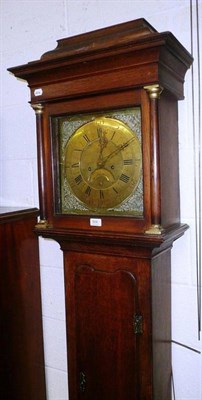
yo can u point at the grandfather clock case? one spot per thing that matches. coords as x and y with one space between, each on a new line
117 257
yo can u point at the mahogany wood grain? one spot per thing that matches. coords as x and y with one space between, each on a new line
169 160
106 287
107 282
21 342
84 59
106 304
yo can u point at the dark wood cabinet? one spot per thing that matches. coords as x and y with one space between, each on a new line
116 253
22 372
118 310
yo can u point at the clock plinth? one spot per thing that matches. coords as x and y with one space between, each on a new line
106 112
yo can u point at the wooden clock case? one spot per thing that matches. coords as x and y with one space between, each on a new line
117 276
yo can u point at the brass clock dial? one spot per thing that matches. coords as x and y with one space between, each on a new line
103 163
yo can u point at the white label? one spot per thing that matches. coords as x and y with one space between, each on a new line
95 222
38 92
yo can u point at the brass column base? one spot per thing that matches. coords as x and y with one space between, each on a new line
155 230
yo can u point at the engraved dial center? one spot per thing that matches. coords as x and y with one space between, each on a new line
103 163
97 172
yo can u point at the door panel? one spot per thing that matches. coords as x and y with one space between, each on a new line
107 355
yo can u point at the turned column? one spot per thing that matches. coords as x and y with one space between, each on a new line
38 108
154 92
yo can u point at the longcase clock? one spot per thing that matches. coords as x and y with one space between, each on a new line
106 112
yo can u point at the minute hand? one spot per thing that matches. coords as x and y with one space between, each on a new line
119 148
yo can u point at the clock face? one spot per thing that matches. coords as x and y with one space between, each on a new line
100 163
103 163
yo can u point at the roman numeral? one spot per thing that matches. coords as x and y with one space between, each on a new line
116 191
124 178
78 179
128 162
86 138
76 165
88 191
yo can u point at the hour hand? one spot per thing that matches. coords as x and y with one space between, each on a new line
102 137
103 142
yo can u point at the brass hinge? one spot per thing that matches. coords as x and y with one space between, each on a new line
138 324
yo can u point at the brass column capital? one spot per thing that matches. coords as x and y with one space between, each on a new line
38 108
154 91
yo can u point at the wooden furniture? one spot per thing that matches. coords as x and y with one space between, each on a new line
21 344
116 259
